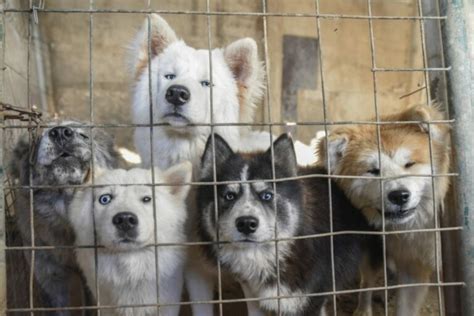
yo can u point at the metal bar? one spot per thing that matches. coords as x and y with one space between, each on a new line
379 154
272 150
325 117
272 240
209 13
457 48
3 213
268 124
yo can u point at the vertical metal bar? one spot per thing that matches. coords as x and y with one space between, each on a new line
91 119
457 48
3 265
326 132
152 159
30 166
438 85
379 151
272 151
432 171
214 168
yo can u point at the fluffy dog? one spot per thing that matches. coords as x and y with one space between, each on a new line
61 156
181 93
247 216
126 226
408 202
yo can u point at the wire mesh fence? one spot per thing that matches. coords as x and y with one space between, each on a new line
12 125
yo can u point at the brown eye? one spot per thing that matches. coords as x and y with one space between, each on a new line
146 199
410 164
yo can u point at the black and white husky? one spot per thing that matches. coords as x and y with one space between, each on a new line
246 217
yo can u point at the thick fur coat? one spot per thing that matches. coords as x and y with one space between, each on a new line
60 155
125 226
302 208
409 203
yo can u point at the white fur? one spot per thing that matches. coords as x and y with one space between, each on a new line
127 272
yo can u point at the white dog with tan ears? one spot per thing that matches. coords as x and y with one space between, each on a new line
129 217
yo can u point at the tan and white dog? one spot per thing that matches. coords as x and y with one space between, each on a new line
407 201
122 209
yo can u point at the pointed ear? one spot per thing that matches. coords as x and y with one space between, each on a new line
427 113
284 154
242 58
179 174
222 153
161 36
337 145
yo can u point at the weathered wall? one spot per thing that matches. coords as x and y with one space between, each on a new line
344 44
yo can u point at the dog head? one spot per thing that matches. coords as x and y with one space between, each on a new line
123 208
404 150
246 211
62 154
181 81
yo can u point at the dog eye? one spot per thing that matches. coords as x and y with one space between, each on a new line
229 196
410 164
105 199
266 196
375 171
84 136
206 83
170 76
146 199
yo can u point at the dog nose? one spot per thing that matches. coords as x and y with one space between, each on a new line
125 221
177 95
399 197
61 134
246 224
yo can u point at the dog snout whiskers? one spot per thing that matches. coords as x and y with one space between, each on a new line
246 224
399 197
125 221
177 95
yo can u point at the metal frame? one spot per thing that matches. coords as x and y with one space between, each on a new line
460 97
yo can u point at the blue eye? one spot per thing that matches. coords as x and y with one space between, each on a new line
170 76
146 199
105 199
205 83
229 196
266 196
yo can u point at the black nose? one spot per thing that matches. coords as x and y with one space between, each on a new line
246 224
177 95
399 197
125 221
61 134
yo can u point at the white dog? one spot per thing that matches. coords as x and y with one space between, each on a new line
123 216
181 94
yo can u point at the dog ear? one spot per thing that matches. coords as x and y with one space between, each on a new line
222 152
284 154
337 145
161 36
426 113
242 58
179 174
